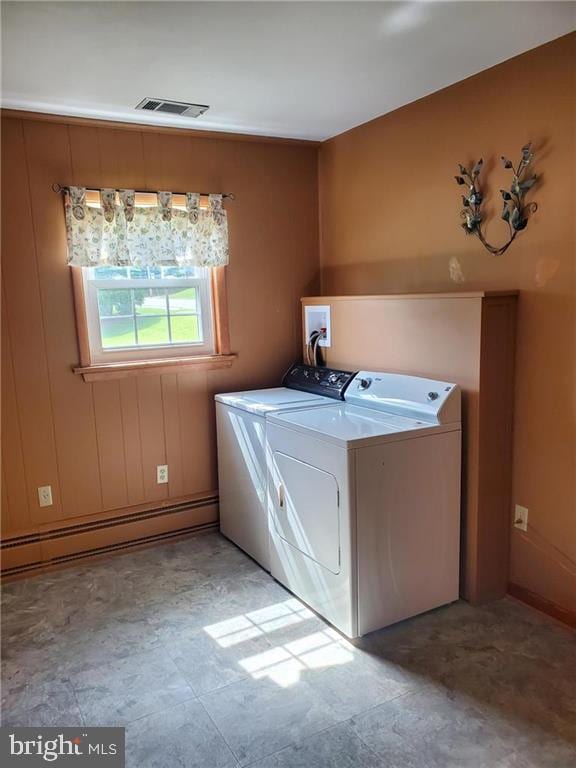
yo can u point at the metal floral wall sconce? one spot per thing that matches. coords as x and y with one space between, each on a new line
515 211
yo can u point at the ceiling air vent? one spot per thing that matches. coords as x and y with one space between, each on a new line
172 107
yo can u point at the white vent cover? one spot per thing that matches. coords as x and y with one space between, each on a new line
172 107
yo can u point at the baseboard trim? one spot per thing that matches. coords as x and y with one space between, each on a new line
56 547
564 615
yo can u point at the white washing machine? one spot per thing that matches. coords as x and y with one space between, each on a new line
364 501
241 428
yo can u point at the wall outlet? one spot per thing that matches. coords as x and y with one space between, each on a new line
162 473
45 496
521 518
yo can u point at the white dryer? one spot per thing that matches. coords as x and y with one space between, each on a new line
241 429
364 501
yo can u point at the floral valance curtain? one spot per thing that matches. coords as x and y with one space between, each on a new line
120 232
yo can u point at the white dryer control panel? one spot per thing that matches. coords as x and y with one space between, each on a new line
411 396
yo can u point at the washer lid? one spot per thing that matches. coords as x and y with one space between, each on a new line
351 426
264 401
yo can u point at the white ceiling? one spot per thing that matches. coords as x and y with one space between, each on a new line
295 69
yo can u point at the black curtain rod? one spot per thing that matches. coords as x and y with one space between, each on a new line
64 188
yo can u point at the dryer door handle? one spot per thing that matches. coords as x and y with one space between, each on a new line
281 499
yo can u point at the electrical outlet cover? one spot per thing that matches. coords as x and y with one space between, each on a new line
162 474
521 518
45 496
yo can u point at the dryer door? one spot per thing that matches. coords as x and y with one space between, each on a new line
305 509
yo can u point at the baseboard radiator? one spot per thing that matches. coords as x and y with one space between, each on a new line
58 546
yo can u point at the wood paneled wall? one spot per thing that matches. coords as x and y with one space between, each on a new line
98 444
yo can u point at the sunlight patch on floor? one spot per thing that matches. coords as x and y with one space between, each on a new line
285 663
257 623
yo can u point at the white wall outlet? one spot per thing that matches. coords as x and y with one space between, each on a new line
45 496
317 318
521 518
162 473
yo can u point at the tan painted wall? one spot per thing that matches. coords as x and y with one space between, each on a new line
98 444
389 224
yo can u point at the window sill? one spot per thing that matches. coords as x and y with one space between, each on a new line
108 371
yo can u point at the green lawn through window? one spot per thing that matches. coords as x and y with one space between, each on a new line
150 317
119 332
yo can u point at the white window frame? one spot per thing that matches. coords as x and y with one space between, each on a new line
101 355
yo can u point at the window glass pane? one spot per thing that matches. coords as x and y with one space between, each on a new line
112 302
117 332
182 272
156 314
185 328
152 329
138 273
150 301
183 300
108 273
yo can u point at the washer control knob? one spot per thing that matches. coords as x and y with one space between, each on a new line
333 378
364 383
433 395
317 376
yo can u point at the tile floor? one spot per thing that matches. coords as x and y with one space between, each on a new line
209 663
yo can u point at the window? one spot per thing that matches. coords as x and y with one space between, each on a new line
139 313
149 279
